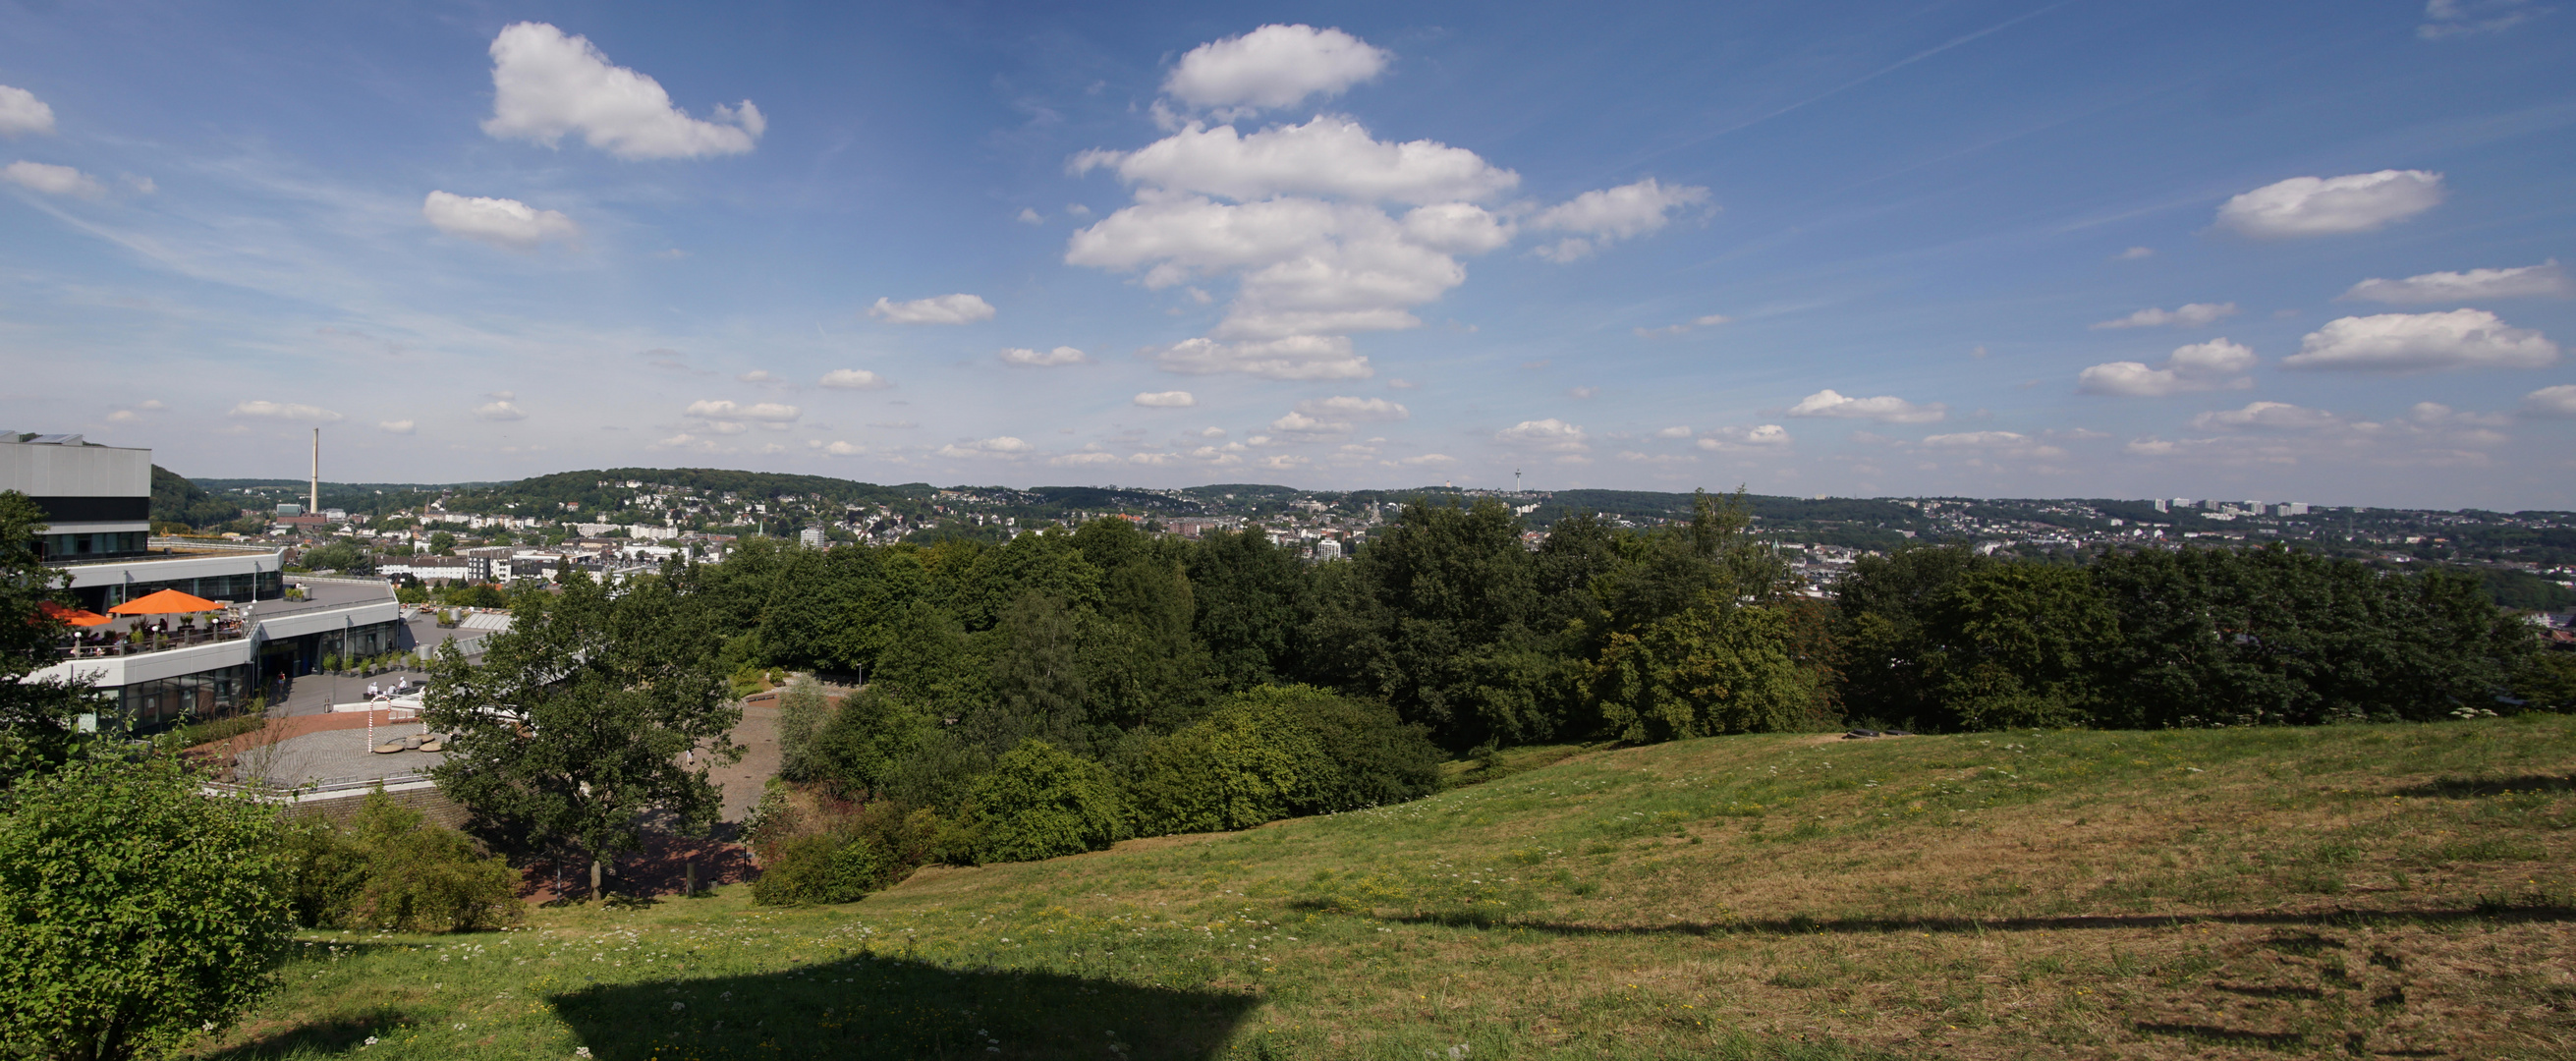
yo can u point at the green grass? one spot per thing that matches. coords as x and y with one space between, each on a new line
2186 894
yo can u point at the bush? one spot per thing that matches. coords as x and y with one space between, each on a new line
827 867
392 869
134 910
1276 752
1041 802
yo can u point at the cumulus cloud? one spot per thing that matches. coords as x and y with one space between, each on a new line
2545 280
854 379
1302 357
52 179
2423 342
843 449
500 411
1604 216
1301 427
2279 416
940 309
1550 434
1346 408
727 409
1327 231
2135 253
2557 402
396 427
2458 18
2195 367
290 411
1273 66
546 84
22 113
500 222
1167 400
1002 447
2192 315
1030 216
1062 355
1884 409
1758 436
1328 155
2329 206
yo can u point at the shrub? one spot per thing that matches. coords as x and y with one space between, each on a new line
392 869
134 910
1041 802
1275 752
827 867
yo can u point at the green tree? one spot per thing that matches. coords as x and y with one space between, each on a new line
1039 688
595 711
344 557
1411 619
1882 605
1041 802
2018 644
135 911
1249 597
1714 668
442 543
802 710
39 719
863 746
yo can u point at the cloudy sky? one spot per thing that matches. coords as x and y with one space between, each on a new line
2077 248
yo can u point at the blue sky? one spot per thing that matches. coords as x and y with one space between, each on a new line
2279 251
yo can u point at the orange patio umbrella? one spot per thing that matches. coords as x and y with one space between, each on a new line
74 616
166 602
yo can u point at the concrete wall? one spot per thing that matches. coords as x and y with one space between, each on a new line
341 808
75 471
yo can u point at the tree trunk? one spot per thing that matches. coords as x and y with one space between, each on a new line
595 866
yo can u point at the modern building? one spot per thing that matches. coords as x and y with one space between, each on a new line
99 501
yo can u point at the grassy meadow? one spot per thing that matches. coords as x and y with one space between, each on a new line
2367 891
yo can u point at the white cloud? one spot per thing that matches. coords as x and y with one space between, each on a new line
2545 280
941 309
2436 414
1674 432
2270 415
727 409
396 427
2557 402
759 376
268 410
843 449
1273 66
2195 367
1347 408
1304 357
2328 206
854 379
1304 428
1075 460
500 411
546 84
2423 342
52 180
1062 355
1976 440
1327 156
1428 460
1606 215
2193 315
1758 436
2459 18
2135 253
1885 409
22 113
1030 216
1003 447
1549 434
500 222
1710 321
1282 462
1168 400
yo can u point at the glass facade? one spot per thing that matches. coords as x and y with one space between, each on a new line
247 586
204 695
102 545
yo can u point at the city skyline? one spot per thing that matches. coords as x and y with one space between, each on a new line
2034 250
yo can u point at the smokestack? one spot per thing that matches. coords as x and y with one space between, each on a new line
313 506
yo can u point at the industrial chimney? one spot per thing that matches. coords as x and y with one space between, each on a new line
313 505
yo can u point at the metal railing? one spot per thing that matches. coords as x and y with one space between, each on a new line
141 644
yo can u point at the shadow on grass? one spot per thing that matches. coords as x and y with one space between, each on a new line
2499 910
2468 787
331 1035
871 1006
